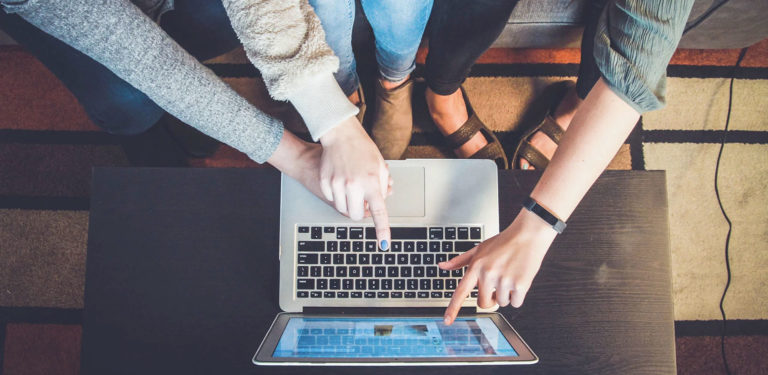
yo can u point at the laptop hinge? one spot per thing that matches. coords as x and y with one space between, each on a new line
438 311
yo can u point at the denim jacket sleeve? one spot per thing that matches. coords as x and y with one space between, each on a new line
634 42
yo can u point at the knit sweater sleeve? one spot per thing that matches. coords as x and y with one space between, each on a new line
284 39
634 42
119 36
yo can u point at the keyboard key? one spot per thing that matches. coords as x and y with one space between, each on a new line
341 271
415 258
356 233
335 284
338 258
328 271
316 246
397 294
418 271
462 246
434 246
432 271
341 233
356 294
428 259
410 294
425 284
402 258
409 233
473 294
405 271
377 259
457 273
322 284
316 294
303 271
450 284
331 246
360 284
380 271
397 246
370 233
423 294
325 258
389 259
302 294
329 295
413 284
357 246
382 294
386 284
421 246
437 284
444 273
370 294
400 284
441 258
317 233
436 295
344 246
409 246
303 229
368 271
354 271
329 229
351 259
392 271
463 233
347 284
305 284
370 246
435 233
315 271
450 233
447 246
342 294
365 259
474 233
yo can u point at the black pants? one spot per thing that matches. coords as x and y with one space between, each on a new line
460 31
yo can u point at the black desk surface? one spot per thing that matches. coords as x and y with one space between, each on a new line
182 275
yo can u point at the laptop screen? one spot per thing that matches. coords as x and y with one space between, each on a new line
392 337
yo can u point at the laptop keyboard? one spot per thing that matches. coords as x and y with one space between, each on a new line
344 262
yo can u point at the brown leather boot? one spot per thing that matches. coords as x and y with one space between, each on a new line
393 120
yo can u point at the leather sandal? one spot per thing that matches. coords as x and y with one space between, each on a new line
492 150
540 117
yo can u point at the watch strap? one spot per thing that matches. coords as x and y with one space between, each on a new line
531 205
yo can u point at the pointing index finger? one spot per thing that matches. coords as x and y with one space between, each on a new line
461 293
378 210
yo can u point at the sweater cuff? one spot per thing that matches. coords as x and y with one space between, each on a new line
322 105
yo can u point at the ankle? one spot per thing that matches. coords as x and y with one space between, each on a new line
448 112
391 85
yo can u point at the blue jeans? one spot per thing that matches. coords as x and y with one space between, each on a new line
200 26
397 27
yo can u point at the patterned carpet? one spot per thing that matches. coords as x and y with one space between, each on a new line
48 147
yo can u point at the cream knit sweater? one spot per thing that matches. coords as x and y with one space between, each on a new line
283 39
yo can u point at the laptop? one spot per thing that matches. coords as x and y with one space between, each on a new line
331 265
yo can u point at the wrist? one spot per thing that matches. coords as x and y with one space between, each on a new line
348 127
289 154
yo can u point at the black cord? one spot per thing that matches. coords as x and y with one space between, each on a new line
722 210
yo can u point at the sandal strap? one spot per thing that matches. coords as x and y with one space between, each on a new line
492 151
533 155
465 132
552 129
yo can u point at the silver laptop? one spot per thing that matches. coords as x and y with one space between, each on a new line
439 209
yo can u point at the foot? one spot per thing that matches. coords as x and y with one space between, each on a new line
449 112
392 124
563 115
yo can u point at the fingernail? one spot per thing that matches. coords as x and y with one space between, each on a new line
447 319
384 245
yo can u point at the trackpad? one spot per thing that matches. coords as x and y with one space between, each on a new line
407 199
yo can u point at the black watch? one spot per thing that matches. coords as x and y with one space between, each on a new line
533 206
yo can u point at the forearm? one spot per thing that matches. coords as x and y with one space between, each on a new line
594 136
120 37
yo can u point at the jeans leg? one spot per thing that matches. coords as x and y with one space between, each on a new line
338 18
588 70
111 103
398 27
460 31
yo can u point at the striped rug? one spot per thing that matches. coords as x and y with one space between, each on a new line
48 147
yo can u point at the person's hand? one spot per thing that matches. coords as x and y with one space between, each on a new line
354 177
502 267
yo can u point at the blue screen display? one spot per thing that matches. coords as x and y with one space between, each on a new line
391 337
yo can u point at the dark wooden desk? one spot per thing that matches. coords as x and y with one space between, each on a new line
182 276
